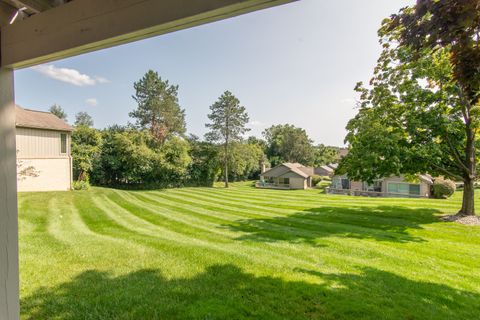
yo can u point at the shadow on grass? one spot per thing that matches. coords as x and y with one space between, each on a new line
382 223
226 292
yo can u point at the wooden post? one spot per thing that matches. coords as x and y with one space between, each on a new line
9 280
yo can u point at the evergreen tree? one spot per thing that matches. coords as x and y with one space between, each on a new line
58 111
228 119
83 119
158 109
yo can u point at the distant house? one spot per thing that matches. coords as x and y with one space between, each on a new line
287 176
386 187
327 170
44 162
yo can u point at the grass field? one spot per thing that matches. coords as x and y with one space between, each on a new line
210 253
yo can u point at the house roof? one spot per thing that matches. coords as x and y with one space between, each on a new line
327 168
297 168
426 178
342 152
26 118
333 165
293 167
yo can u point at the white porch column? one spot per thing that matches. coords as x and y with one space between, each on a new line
9 278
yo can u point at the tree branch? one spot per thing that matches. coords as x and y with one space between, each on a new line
447 172
456 155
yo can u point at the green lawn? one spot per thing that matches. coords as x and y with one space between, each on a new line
210 253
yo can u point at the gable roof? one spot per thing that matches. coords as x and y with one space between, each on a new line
342 152
293 167
327 168
26 118
296 168
333 165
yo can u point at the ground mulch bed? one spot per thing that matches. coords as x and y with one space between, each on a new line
466 220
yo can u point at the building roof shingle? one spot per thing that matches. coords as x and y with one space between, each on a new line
293 167
26 118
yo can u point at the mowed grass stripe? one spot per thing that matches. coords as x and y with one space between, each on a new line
295 231
298 205
196 212
158 212
389 219
302 214
300 225
348 229
312 196
230 246
228 234
100 222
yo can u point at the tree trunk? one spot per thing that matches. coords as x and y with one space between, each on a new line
469 176
468 207
226 164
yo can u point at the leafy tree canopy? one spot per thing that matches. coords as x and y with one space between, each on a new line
86 143
414 116
325 155
158 109
83 119
287 143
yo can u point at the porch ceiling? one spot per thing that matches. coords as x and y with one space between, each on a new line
47 30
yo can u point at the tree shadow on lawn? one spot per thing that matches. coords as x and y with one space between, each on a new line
226 292
382 223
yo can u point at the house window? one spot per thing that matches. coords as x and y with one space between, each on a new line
341 183
376 186
284 181
63 143
404 188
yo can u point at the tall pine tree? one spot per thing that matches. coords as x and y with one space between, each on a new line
228 120
158 108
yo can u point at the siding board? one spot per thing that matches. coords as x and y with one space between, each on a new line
41 149
35 144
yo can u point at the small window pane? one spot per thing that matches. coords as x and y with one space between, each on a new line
393 187
415 189
63 143
403 188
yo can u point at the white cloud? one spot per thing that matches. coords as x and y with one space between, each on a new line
67 75
101 80
255 123
91 102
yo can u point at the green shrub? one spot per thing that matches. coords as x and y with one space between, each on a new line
81 185
316 179
443 188
326 178
323 185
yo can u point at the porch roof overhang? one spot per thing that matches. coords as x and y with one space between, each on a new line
54 29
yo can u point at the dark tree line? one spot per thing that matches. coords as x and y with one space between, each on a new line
155 150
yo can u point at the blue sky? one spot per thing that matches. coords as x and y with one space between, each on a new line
296 63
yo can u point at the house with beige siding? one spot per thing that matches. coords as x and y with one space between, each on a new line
327 170
44 161
286 176
394 186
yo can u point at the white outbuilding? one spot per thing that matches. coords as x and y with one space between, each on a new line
44 161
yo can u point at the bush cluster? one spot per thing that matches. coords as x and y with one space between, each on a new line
443 188
131 158
81 185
